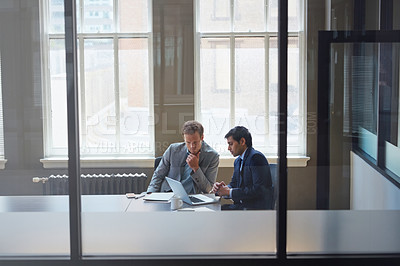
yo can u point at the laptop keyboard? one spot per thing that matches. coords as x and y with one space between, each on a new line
195 200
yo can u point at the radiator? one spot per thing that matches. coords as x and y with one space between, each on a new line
92 184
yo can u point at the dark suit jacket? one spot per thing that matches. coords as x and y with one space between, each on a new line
252 189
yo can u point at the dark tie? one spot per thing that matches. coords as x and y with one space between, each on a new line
240 172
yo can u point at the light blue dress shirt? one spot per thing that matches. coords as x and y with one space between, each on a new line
240 169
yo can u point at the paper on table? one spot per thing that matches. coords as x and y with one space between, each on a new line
130 195
135 196
159 196
198 209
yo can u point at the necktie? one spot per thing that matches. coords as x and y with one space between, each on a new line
240 172
186 179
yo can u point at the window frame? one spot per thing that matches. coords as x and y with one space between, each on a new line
296 159
58 158
2 150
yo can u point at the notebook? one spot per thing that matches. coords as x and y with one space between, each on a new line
159 196
196 199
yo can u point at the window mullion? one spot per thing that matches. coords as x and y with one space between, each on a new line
117 93
81 54
266 120
232 68
151 75
302 93
82 15
83 117
116 78
303 75
232 81
116 17
45 67
197 76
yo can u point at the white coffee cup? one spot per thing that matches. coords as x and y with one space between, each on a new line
176 203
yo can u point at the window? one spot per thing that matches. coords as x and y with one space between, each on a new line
237 61
1 123
115 88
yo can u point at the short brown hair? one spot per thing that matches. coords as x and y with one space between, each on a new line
191 127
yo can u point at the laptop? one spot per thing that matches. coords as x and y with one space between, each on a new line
196 199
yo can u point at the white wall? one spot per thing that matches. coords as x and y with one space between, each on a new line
369 189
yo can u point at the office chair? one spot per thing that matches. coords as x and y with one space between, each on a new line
157 162
274 177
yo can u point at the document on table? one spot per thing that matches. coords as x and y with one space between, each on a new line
159 196
135 196
198 209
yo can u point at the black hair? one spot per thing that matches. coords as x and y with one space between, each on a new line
240 132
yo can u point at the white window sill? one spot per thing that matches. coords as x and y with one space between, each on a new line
147 162
144 162
3 163
293 161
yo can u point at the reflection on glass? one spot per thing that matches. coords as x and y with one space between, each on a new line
98 16
33 223
1 118
343 232
392 159
254 93
295 142
139 22
368 142
363 71
56 18
295 135
58 95
214 16
249 15
107 120
98 135
273 95
359 91
250 96
240 233
295 15
134 96
215 90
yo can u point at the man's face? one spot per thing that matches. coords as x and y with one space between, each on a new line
193 142
236 148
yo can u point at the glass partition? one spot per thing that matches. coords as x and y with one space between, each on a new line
35 221
156 231
145 67
343 232
115 225
392 158
392 144
357 201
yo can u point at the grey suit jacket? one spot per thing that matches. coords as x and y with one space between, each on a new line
173 161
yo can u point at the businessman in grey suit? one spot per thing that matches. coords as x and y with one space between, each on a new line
192 162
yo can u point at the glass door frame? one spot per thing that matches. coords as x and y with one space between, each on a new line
325 39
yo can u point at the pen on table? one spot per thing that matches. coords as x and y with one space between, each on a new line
142 195
185 210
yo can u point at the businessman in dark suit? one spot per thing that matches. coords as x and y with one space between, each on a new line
251 185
